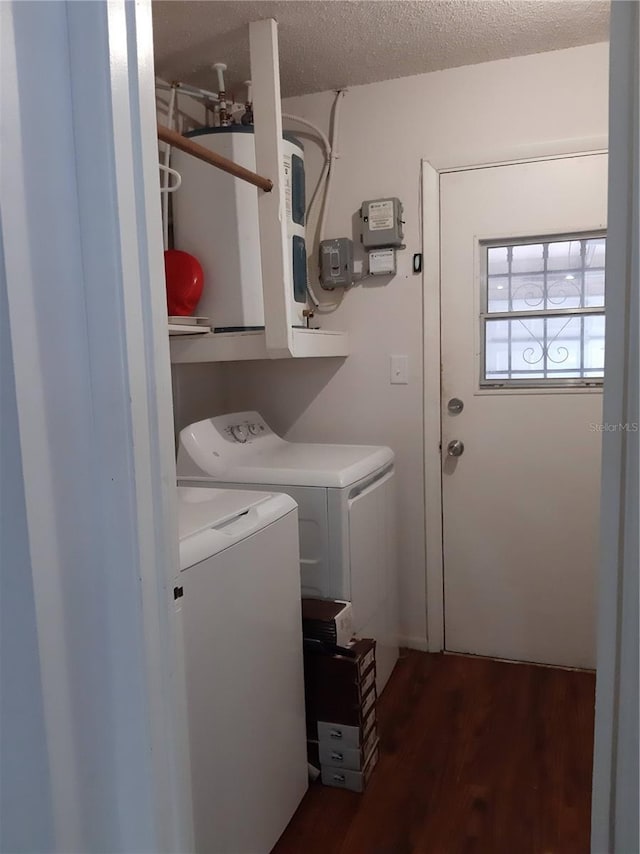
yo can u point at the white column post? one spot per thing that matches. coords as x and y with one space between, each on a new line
274 245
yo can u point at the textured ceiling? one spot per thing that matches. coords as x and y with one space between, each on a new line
325 44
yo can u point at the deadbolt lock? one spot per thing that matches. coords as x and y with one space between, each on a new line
455 406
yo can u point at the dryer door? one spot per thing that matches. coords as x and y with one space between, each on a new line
372 552
315 575
368 548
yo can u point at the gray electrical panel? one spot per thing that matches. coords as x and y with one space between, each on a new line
336 263
382 223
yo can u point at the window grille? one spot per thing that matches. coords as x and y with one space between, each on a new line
542 316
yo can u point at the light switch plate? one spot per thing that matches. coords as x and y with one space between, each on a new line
399 366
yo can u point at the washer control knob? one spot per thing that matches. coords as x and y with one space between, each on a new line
239 433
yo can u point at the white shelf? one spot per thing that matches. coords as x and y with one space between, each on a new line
279 340
187 329
245 346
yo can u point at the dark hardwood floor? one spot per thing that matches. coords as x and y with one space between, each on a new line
477 756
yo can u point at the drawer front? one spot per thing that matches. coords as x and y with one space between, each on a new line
343 778
368 681
345 736
334 734
366 660
354 759
369 702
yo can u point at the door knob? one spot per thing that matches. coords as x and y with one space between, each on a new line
455 448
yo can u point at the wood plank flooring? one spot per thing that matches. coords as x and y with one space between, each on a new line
476 756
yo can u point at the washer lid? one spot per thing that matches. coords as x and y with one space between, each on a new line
202 508
211 520
300 464
241 448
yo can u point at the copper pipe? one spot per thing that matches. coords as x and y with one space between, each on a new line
175 139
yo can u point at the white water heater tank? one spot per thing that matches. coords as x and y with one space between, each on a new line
215 218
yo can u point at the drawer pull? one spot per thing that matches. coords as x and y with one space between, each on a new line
337 757
339 778
335 733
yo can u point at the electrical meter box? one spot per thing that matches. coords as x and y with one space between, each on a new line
382 223
336 263
382 262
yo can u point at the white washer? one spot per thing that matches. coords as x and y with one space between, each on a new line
346 512
239 603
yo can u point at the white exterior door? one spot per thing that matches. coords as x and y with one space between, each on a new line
522 255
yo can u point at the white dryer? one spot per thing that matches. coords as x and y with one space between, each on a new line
238 600
346 512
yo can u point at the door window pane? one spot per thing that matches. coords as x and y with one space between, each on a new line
546 293
544 276
561 347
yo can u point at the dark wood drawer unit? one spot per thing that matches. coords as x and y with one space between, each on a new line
341 700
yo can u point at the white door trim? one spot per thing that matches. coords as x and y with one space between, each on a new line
84 276
530 153
614 814
432 366
431 402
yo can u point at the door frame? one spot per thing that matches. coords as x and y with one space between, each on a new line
432 352
95 363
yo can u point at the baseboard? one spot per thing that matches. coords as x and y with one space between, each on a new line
414 643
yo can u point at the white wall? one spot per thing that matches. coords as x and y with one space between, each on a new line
195 387
198 392
188 113
464 115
